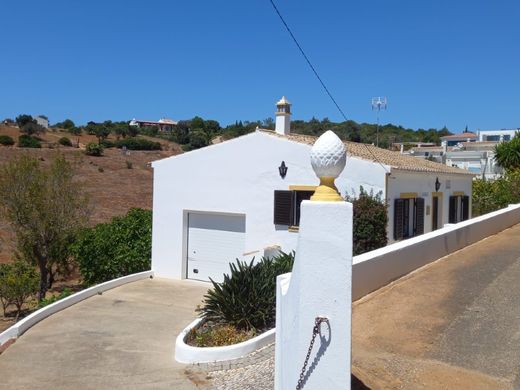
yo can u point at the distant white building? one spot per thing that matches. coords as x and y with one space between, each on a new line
164 124
42 121
497 135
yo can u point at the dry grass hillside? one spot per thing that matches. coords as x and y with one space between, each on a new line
113 186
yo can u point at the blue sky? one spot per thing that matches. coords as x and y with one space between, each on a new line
439 62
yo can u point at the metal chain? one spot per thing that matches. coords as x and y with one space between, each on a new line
315 331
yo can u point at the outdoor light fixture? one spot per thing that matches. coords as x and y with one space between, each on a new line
437 184
282 169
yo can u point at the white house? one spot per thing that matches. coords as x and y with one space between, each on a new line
241 198
497 135
42 121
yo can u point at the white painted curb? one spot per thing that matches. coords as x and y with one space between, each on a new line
185 353
20 327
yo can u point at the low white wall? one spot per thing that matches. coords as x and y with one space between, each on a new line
21 326
375 269
185 353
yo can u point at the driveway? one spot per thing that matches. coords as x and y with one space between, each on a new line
123 339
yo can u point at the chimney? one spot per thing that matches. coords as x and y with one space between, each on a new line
283 117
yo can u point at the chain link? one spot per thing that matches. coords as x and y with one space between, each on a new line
315 331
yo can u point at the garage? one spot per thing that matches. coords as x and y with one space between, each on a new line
213 241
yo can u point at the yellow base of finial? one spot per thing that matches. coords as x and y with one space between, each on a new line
327 191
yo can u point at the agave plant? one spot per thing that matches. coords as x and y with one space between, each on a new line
246 298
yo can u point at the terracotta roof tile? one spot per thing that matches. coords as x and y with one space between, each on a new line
387 157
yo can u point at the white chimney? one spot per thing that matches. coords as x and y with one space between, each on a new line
283 117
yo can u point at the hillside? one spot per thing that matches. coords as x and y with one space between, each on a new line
114 188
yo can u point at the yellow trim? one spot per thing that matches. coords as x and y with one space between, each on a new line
437 194
302 188
294 229
327 191
458 193
408 195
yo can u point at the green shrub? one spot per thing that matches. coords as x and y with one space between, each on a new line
369 221
6 140
19 281
491 195
47 301
138 144
94 149
65 141
107 144
27 141
246 299
115 249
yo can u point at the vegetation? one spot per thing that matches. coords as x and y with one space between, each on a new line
507 154
23 119
369 222
55 298
210 335
27 141
246 299
65 141
94 149
6 140
115 249
45 209
18 283
135 143
491 195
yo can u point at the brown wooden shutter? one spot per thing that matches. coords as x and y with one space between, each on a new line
465 207
283 208
419 216
452 217
398 219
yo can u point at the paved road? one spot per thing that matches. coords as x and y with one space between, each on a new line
452 324
123 339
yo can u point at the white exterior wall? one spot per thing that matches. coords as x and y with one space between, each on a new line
283 123
42 121
237 177
482 134
424 184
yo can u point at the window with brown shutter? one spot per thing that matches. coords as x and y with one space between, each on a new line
408 217
398 219
465 207
419 216
454 202
283 207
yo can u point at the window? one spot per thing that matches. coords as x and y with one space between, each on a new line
287 206
506 137
408 217
495 138
459 208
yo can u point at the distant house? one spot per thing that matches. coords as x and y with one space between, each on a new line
42 121
240 198
164 124
497 135
452 140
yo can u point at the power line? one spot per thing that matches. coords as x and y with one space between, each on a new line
319 78
308 61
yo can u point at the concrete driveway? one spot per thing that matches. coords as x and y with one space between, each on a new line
123 339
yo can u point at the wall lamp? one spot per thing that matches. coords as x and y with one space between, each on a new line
282 169
437 184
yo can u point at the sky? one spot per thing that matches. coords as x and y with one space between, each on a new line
438 62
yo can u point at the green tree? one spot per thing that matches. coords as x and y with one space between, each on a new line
115 249
507 154
67 124
369 221
31 129
45 208
23 119
198 139
197 123
18 283
101 133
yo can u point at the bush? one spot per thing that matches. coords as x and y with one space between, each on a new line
94 149
129 164
6 140
47 301
18 282
138 144
491 195
107 144
65 141
27 141
111 250
246 299
369 221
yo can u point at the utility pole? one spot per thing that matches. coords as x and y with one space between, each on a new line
378 103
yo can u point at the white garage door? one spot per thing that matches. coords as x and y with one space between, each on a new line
214 240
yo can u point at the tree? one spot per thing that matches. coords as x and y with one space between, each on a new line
23 119
45 208
507 154
67 124
31 128
18 282
197 123
101 133
198 139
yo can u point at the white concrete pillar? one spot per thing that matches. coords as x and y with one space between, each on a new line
320 285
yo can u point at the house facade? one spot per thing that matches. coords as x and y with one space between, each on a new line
241 198
42 121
